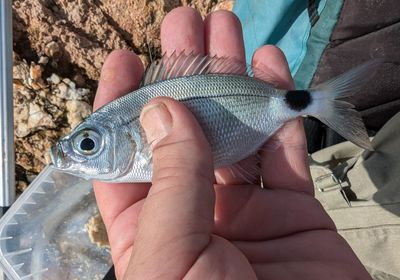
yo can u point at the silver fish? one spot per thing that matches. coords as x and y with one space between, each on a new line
237 112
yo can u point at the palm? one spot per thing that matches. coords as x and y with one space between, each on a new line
302 245
277 233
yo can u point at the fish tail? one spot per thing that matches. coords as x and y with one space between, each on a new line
325 103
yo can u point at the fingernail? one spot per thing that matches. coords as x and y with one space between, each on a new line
156 121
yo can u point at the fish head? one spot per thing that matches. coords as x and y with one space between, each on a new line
94 150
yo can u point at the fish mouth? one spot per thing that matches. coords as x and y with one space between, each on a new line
58 157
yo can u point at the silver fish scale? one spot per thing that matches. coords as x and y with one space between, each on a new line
193 87
237 113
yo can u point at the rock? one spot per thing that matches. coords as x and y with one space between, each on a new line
61 91
69 83
30 177
47 158
67 90
21 71
21 114
68 32
30 117
38 118
34 150
21 186
42 116
23 158
36 72
225 5
97 231
54 79
79 80
43 60
77 112
52 49
37 85
33 112
81 94
22 129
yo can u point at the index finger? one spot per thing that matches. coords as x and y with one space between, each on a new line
121 73
182 30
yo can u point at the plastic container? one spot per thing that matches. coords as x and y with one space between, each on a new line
43 235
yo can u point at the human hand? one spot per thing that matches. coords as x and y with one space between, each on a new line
187 226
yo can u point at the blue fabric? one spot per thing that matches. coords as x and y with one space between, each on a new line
284 23
317 43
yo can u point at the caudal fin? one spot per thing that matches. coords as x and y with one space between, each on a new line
341 115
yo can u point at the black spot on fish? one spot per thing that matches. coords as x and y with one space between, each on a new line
298 100
87 144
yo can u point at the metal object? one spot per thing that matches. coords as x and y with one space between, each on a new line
332 184
7 159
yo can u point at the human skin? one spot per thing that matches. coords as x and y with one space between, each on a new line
197 223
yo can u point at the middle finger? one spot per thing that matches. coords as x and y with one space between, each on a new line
224 38
182 30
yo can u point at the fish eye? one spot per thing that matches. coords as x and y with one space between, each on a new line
87 142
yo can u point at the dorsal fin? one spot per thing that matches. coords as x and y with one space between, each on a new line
180 65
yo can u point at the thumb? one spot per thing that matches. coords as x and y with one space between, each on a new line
178 216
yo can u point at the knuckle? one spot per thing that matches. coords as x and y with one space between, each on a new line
178 174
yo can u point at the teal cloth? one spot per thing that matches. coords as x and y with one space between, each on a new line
284 23
317 42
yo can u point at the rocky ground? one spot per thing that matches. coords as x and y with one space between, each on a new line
59 48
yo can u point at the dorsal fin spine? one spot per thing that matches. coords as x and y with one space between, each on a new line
156 72
186 73
199 65
171 71
202 71
178 65
182 64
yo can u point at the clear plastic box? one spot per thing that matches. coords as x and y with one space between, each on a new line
43 234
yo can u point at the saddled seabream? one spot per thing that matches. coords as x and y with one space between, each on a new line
237 112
